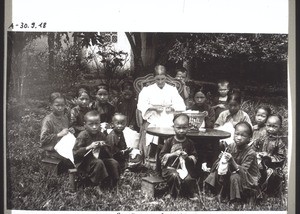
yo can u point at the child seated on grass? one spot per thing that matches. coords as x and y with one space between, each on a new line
229 118
178 158
55 126
103 107
77 113
220 102
259 129
240 174
116 140
201 105
272 155
98 165
181 74
127 106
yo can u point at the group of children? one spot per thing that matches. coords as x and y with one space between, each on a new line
254 158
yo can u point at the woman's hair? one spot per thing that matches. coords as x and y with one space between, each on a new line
181 69
266 108
54 96
160 69
235 96
181 115
82 91
224 83
102 89
244 123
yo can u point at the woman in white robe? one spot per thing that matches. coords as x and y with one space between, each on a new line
157 103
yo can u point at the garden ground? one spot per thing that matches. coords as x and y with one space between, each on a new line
30 187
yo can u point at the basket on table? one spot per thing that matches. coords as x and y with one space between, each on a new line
196 119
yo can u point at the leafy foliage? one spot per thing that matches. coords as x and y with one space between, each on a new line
251 47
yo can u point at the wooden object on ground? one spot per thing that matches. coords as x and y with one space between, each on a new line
72 175
148 185
52 164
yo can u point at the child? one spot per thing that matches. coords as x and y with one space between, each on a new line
271 151
178 158
116 140
234 114
220 102
181 74
99 169
202 105
242 173
261 115
54 127
104 108
127 106
78 112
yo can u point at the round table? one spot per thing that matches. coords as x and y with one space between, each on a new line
206 142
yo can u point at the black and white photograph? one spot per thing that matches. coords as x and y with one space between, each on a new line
122 121
126 120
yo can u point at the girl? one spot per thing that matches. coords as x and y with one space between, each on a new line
54 127
234 114
242 170
271 151
78 112
261 115
202 105
104 108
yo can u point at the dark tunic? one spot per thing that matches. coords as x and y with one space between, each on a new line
218 110
128 108
97 169
272 165
106 111
117 143
236 182
169 173
77 118
210 118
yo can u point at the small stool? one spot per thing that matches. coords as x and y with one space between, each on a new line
52 164
72 175
148 185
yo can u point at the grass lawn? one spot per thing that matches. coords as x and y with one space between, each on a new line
30 187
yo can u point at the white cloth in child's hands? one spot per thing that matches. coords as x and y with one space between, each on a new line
64 147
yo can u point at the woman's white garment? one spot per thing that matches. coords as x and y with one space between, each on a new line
64 147
153 96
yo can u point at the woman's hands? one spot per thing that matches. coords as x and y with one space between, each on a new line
95 145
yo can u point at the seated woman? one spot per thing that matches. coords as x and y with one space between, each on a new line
241 173
271 154
157 103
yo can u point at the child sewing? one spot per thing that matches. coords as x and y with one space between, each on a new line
202 105
259 129
220 102
272 154
240 174
103 107
54 127
178 158
127 106
116 140
98 165
77 113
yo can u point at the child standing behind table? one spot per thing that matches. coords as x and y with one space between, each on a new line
116 140
178 158
259 129
220 102
181 74
92 155
202 105
78 112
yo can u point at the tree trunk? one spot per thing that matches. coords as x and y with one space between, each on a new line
51 38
